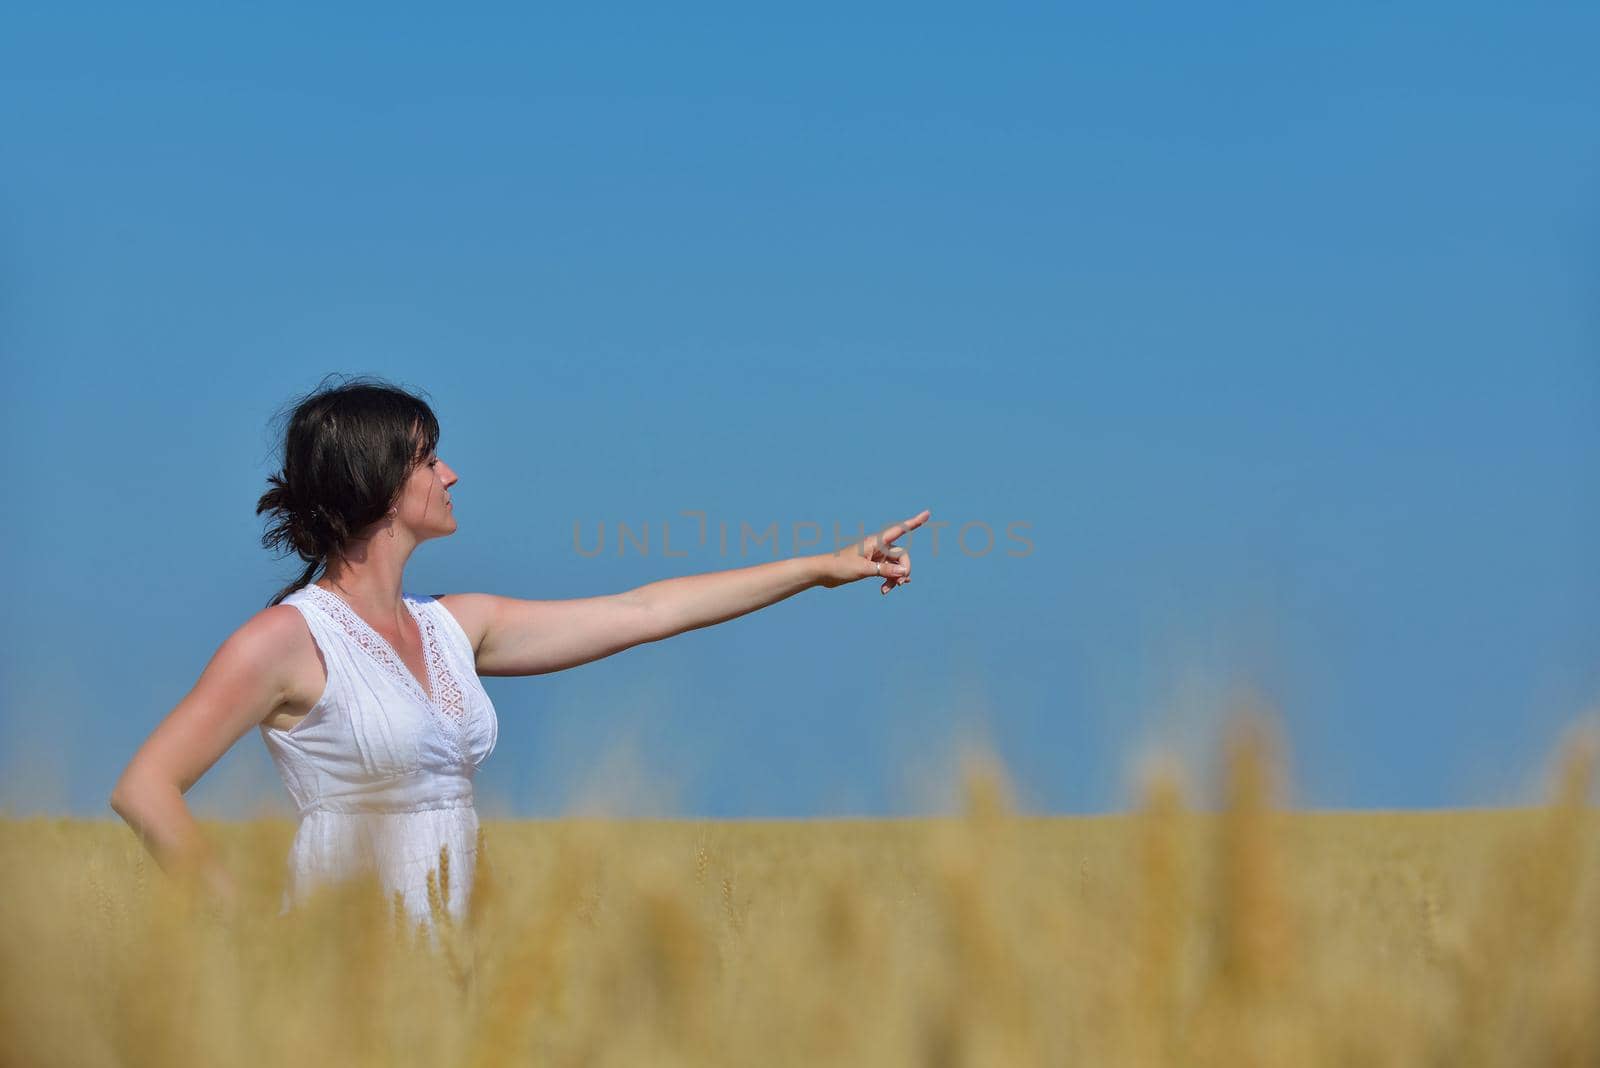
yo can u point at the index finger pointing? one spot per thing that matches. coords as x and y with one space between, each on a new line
898 529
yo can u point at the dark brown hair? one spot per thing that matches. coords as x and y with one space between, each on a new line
346 451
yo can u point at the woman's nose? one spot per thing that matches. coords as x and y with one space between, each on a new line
450 476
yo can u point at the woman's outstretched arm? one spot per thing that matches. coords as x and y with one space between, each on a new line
518 637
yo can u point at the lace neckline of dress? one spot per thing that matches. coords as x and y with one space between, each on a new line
444 696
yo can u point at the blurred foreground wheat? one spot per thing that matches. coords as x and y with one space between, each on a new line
1239 934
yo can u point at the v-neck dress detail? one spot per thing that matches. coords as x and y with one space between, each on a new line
380 770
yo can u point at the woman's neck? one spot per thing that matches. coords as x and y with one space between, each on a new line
373 585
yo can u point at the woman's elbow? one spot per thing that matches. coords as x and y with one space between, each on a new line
129 795
121 799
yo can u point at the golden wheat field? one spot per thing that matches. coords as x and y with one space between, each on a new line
1236 934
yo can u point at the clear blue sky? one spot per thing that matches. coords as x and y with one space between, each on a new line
1278 329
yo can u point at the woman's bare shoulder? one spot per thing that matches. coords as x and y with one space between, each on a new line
274 629
277 642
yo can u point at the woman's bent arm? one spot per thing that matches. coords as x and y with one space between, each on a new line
169 831
246 680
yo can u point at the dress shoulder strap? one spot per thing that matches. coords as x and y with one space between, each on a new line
323 627
445 625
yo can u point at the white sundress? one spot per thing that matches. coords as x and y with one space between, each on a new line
380 771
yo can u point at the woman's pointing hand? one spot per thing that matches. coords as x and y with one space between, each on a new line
874 557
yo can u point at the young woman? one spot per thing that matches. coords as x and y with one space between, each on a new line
367 696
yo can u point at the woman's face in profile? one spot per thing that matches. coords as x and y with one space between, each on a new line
425 502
